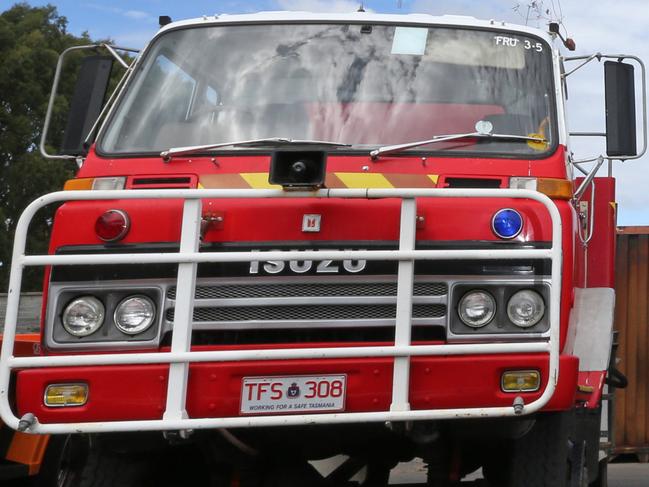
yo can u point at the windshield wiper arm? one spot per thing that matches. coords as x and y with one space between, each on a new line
390 149
167 155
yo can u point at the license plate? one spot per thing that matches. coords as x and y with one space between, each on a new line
299 394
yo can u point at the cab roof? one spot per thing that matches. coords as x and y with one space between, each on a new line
355 17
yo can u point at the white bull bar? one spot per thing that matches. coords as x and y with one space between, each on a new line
187 258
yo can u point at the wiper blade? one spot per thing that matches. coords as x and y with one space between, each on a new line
482 132
167 155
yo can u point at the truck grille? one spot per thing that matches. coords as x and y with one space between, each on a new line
310 313
310 290
308 302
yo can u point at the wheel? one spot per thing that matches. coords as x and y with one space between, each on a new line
602 478
63 462
108 469
173 466
542 458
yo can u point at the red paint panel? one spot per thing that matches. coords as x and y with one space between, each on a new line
115 393
281 220
551 167
600 255
138 392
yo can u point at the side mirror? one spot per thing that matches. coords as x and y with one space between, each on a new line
620 109
87 101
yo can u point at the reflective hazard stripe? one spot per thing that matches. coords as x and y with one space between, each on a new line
259 180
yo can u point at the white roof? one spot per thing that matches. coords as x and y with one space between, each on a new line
284 16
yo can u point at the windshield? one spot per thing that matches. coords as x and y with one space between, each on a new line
363 85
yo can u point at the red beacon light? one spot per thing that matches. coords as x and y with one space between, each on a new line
112 225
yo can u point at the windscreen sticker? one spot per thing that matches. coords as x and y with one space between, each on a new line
410 40
506 41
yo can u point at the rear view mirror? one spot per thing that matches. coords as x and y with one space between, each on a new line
620 109
87 101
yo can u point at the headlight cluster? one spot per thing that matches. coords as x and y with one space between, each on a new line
478 307
84 315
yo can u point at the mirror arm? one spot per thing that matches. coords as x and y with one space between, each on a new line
119 58
587 180
586 59
579 168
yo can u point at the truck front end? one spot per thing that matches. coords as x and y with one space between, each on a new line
345 234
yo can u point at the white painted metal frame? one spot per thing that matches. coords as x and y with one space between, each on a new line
180 356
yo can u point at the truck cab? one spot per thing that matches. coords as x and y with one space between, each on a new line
353 235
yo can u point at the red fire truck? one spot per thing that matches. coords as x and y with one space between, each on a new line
296 237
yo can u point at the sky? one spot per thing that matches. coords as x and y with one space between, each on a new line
606 26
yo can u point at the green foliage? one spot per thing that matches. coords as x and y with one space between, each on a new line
31 39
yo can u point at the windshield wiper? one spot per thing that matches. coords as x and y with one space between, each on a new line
167 155
483 131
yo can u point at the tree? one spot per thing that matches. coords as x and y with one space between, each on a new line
31 39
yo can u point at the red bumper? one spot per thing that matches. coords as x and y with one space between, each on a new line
138 392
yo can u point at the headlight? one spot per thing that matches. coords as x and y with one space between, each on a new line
83 316
134 314
525 308
477 308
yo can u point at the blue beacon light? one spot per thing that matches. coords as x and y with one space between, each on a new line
507 223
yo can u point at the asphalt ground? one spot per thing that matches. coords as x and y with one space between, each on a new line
619 474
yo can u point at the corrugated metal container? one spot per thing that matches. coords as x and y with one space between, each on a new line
632 323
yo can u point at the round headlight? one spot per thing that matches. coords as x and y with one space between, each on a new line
477 308
83 316
507 223
134 314
525 308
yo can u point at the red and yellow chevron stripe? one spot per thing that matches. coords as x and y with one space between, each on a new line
259 180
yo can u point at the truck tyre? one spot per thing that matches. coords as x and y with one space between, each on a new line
541 458
63 462
602 478
108 469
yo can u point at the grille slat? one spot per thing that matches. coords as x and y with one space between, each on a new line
252 291
309 313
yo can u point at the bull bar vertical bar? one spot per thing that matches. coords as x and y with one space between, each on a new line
181 355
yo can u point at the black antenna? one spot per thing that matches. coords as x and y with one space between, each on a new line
361 8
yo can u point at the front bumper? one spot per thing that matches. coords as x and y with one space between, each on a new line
138 392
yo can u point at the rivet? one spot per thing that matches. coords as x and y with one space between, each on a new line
162 378
375 400
212 406
212 376
427 370
376 371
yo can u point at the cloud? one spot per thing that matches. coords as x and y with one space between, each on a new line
130 14
341 6
136 14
